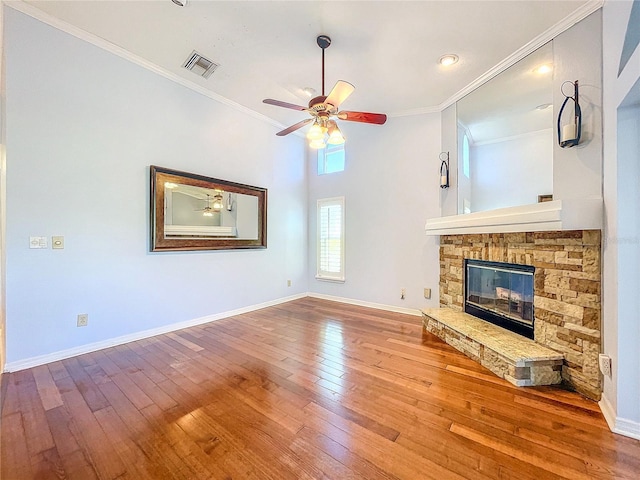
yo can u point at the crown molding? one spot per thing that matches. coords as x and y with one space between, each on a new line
566 23
99 42
519 136
569 21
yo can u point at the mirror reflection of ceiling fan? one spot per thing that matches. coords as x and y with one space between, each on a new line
210 209
324 110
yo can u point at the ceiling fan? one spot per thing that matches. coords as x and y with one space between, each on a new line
324 110
209 209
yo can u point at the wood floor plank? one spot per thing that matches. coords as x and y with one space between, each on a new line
15 454
36 430
90 435
64 431
308 389
521 454
85 384
388 456
335 459
47 389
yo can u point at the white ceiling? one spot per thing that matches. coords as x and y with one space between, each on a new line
267 49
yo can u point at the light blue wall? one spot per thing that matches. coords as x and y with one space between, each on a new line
391 186
82 129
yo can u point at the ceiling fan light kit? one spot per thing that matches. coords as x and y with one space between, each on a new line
324 110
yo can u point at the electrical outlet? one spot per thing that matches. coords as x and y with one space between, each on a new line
427 293
83 319
288 283
402 293
605 364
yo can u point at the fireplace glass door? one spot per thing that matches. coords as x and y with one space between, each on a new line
501 293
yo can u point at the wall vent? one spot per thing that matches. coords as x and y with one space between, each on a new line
200 65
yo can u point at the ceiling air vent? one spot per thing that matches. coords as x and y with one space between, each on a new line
200 65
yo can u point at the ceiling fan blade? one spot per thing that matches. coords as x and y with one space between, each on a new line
295 127
341 90
364 117
278 103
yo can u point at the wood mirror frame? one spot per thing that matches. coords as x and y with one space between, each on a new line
161 241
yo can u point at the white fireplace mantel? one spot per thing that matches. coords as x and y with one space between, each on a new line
568 214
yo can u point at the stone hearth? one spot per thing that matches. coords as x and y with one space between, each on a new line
513 357
567 291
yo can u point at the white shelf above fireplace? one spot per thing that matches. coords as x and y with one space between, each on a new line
569 214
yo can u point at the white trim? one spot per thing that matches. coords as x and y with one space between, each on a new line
546 36
330 279
202 230
113 342
608 412
566 23
570 214
628 428
621 426
99 42
362 303
519 136
3 195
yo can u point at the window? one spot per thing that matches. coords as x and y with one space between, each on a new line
330 239
331 159
465 155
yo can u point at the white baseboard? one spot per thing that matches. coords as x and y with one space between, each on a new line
618 425
622 426
608 412
113 342
362 303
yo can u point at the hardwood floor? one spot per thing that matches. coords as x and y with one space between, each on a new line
309 389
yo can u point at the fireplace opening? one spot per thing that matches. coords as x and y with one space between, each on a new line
500 293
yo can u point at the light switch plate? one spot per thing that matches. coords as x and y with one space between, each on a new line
57 242
38 242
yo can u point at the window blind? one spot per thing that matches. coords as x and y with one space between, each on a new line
331 239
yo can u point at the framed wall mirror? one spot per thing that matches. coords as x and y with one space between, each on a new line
505 137
194 212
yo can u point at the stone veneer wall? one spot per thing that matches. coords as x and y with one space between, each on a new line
567 291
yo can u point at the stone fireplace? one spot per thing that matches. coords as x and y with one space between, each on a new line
567 290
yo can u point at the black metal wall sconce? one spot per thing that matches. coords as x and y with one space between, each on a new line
569 134
444 170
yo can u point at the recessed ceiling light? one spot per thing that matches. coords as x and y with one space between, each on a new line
448 59
180 3
542 69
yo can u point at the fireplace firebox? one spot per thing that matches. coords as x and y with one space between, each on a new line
500 293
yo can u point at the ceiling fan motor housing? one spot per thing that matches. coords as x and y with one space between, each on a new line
317 104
